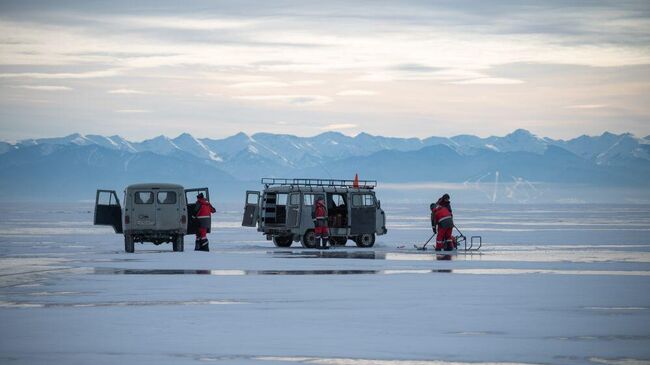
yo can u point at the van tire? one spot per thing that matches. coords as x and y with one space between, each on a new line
338 241
308 240
129 245
282 241
178 244
365 240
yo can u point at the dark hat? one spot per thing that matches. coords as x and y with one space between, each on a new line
200 196
445 197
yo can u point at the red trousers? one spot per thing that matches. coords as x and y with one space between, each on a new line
444 234
322 231
201 233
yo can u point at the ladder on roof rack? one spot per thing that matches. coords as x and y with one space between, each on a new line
364 184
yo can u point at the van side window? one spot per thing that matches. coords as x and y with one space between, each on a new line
143 197
363 200
308 200
106 198
368 200
166 197
338 200
281 199
294 199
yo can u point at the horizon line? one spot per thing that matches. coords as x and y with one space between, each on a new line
15 142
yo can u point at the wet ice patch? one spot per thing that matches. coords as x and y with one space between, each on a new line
5 304
54 293
350 361
622 361
17 304
50 231
550 271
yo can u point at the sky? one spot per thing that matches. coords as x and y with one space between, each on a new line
394 68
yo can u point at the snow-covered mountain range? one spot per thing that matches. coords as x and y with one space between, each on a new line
78 161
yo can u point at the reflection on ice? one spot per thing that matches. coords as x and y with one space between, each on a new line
114 271
492 271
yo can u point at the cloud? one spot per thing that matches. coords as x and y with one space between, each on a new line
338 126
488 81
260 84
269 83
126 91
307 82
66 75
44 87
132 111
288 99
178 22
587 106
356 93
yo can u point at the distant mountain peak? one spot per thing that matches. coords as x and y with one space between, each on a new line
184 135
241 135
521 133
331 134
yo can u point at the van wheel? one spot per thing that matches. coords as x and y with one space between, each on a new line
339 241
179 243
308 240
128 243
365 240
282 241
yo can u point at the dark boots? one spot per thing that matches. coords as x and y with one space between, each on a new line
202 245
205 245
323 243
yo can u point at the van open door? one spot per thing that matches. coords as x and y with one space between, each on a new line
108 211
251 209
190 198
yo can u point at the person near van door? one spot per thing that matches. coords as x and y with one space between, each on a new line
321 232
203 209
442 223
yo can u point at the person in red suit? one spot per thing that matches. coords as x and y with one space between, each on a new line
442 223
321 231
203 210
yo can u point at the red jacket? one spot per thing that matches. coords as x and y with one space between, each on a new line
320 211
204 208
440 213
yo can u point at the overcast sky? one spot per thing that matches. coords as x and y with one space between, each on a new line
407 68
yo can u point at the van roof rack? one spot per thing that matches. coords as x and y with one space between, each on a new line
363 184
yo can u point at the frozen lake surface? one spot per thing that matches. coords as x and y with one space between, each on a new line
565 284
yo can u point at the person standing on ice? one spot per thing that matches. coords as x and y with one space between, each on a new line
321 232
442 223
203 210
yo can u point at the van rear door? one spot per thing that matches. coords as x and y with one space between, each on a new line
108 211
363 213
190 198
168 209
143 210
251 209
